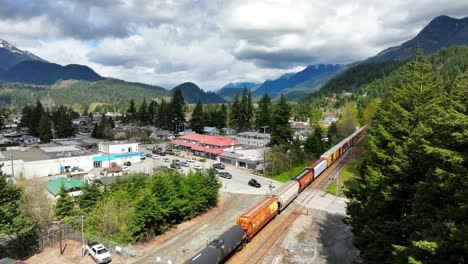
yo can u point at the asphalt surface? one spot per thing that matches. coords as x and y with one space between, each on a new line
238 183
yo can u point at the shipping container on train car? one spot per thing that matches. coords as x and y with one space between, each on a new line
286 194
336 151
304 178
219 249
258 216
318 167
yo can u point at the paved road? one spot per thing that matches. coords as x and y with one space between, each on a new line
238 183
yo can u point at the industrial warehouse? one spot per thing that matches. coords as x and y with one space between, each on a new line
64 157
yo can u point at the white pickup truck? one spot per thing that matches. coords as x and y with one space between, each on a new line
98 252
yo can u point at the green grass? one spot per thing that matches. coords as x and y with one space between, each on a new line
347 177
289 174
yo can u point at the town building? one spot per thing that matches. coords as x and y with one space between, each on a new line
68 158
212 131
254 138
244 158
204 145
72 186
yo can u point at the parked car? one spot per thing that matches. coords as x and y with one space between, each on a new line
175 166
98 252
184 164
167 160
190 160
148 155
225 174
197 167
154 156
127 163
142 157
254 183
125 168
219 166
176 161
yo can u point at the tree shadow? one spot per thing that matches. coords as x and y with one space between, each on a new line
336 239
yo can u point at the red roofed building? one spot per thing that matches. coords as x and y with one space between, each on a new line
204 145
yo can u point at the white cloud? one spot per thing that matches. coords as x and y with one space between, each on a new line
213 42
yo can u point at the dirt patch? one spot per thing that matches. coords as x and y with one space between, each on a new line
71 254
317 237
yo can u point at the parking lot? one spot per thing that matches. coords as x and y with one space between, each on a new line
238 183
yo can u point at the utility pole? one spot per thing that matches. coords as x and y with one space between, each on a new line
82 237
12 169
264 152
337 189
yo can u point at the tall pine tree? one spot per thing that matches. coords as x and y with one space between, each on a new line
408 206
197 121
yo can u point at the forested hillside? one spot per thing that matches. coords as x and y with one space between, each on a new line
411 203
80 92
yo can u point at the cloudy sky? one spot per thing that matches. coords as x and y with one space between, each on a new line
212 42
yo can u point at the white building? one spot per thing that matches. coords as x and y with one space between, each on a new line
57 159
117 148
254 138
246 158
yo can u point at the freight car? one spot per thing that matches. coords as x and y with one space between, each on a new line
219 249
286 194
336 151
258 216
252 221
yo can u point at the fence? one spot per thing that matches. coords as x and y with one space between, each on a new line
55 233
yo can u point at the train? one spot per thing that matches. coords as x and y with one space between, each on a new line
258 216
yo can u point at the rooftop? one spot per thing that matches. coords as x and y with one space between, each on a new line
26 154
254 134
210 140
54 186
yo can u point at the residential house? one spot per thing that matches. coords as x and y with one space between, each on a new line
212 131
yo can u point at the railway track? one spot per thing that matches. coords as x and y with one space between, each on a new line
264 246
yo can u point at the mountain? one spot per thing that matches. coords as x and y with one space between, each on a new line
240 85
84 93
301 83
229 91
441 32
192 94
45 73
10 55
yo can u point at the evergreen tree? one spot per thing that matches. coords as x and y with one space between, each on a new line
408 206
236 116
163 117
44 128
96 133
245 110
197 121
281 133
313 144
64 208
110 121
16 227
178 115
131 112
152 107
142 115
263 113
36 116
26 117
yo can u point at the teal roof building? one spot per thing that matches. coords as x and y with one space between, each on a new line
72 185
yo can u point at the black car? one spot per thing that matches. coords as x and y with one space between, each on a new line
225 174
175 166
219 166
148 155
127 163
254 183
